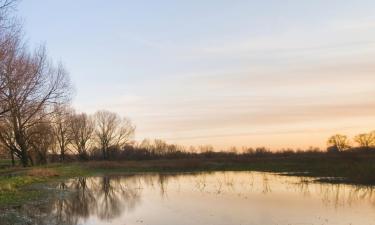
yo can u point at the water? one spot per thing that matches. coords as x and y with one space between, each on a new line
220 198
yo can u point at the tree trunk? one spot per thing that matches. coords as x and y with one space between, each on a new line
12 156
24 158
31 160
62 154
105 151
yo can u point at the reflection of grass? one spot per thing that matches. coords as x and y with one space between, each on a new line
14 181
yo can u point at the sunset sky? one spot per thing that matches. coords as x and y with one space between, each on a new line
227 73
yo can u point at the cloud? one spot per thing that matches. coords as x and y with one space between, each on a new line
299 80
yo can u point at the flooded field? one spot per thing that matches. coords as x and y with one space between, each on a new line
220 198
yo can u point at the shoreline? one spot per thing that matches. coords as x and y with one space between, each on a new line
14 182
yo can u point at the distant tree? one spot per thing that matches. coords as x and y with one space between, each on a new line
112 131
62 128
249 151
82 130
145 144
192 149
260 151
160 147
340 142
233 150
365 140
206 148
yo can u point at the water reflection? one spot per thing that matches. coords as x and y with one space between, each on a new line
105 197
133 198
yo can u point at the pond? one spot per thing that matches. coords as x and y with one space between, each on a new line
220 198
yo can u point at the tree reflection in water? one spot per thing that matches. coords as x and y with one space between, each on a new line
104 197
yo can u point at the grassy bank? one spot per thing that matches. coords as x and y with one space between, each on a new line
15 183
358 169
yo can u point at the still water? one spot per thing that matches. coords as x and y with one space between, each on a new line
220 198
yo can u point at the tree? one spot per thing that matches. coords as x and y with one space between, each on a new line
31 86
42 140
112 131
160 147
5 7
8 30
6 4
365 140
82 129
340 142
61 128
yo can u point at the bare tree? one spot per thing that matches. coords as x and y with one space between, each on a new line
6 4
82 130
5 7
365 140
340 142
112 131
61 128
9 30
31 86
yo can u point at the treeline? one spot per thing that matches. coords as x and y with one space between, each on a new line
35 117
339 142
159 149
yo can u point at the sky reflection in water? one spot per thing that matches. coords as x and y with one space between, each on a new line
219 198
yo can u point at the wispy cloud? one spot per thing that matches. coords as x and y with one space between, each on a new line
240 80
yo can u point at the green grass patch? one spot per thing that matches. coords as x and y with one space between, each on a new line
12 190
18 197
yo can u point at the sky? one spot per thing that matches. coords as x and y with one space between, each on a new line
279 74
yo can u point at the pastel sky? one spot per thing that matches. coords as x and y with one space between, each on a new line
228 73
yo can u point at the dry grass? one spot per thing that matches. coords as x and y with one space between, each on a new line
42 172
162 165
